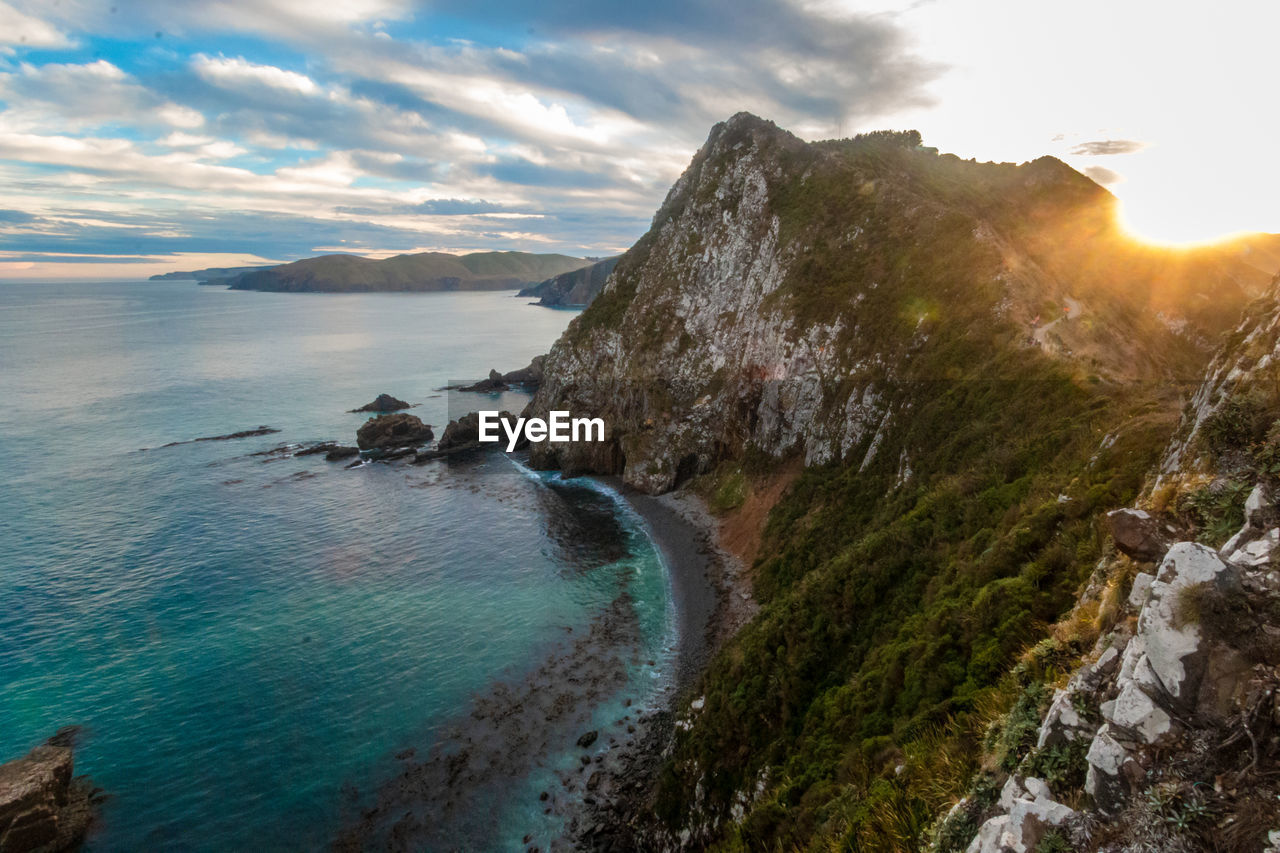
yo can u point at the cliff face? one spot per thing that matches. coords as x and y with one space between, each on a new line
575 289
969 365
785 290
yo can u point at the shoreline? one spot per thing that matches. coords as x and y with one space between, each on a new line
710 589
712 595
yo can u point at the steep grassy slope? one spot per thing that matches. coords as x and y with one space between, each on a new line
428 271
968 360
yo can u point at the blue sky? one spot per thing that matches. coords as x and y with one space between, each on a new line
145 136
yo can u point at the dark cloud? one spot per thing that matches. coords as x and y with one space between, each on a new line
1108 146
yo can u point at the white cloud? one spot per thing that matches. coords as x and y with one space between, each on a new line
18 28
78 96
180 116
238 72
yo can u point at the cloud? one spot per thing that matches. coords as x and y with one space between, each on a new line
1103 175
80 96
362 120
240 73
1108 146
19 28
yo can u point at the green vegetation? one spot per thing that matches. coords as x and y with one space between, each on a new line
1241 439
888 614
729 489
903 620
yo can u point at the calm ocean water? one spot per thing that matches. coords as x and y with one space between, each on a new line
249 641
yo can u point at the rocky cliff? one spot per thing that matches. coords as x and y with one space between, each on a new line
785 289
575 289
913 386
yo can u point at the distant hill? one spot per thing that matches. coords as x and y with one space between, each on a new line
425 272
212 275
574 289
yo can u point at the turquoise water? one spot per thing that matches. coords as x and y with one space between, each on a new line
250 640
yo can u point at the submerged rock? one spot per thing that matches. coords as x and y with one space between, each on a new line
392 431
383 403
231 436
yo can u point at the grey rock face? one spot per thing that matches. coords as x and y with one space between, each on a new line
39 807
1029 818
1112 772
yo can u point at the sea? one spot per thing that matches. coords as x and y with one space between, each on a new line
263 651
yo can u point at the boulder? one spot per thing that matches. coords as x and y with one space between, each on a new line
1061 722
1090 677
1257 553
40 807
391 431
1019 788
1023 827
1168 625
1138 534
1255 506
1136 714
1112 771
464 432
991 836
1141 590
338 452
383 403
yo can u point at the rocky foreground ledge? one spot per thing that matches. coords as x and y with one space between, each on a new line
1187 687
43 808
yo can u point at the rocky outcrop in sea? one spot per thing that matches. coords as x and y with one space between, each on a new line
44 808
390 432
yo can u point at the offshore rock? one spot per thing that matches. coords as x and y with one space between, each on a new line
41 807
383 403
530 376
485 386
391 431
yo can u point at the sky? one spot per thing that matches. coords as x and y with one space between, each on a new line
145 136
